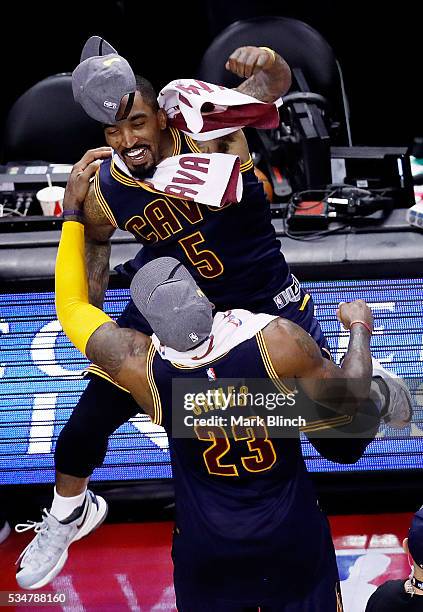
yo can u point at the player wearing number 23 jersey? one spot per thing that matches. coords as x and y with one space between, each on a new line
248 528
246 515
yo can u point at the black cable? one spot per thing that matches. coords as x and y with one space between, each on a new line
312 204
314 236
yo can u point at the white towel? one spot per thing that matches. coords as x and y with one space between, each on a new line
206 111
229 329
207 178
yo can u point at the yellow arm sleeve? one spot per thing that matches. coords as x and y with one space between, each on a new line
77 316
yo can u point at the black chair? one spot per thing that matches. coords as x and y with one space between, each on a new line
305 50
46 124
315 112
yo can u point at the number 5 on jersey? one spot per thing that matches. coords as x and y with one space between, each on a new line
206 262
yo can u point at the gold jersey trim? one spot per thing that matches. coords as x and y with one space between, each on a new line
269 365
157 404
192 144
93 369
305 301
102 201
247 165
176 135
327 423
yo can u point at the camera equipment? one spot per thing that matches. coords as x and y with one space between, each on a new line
313 209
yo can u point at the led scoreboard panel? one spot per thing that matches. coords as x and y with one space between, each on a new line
40 382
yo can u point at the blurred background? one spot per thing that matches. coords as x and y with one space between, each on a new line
378 46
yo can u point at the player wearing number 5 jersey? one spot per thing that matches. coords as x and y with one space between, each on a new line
232 251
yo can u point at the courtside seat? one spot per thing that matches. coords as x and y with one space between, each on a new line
299 44
45 123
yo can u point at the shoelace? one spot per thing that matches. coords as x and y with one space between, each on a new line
37 527
40 528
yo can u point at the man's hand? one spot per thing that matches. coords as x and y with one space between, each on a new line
247 61
358 310
79 179
267 75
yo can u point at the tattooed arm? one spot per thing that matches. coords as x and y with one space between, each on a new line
267 75
295 354
98 231
122 353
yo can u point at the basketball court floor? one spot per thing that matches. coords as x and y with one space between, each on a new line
128 567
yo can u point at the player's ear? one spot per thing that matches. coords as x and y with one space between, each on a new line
405 546
162 119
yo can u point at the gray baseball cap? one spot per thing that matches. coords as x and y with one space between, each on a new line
101 80
168 297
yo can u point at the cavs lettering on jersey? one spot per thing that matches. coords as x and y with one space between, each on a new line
232 251
246 513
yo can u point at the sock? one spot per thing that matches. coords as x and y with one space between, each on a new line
62 507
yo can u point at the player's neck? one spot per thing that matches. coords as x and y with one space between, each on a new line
167 144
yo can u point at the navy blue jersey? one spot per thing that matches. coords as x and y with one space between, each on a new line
232 252
392 597
247 519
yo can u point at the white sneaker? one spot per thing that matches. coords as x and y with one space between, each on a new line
46 554
398 409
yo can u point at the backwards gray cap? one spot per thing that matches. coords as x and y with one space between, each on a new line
168 297
101 80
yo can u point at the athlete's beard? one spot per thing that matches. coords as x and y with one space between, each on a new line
141 172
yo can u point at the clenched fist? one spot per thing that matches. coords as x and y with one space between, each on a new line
246 61
358 310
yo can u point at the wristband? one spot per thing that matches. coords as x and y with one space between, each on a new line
362 323
273 54
72 213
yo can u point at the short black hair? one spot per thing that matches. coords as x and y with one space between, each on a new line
147 91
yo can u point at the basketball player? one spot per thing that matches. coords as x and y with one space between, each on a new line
232 252
247 514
